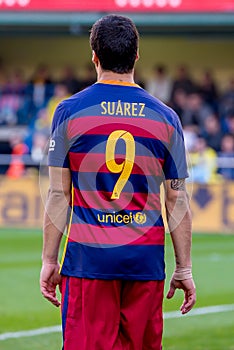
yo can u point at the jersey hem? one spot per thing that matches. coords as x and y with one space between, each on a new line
115 276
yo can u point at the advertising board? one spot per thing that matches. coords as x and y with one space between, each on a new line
21 204
119 5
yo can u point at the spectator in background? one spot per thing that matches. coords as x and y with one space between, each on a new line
39 128
190 138
41 124
40 141
39 90
228 123
41 86
60 93
9 106
12 98
196 111
2 75
89 77
226 103
209 90
212 132
179 102
203 162
226 157
16 84
17 167
70 80
182 81
160 84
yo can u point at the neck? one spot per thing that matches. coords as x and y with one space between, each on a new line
108 75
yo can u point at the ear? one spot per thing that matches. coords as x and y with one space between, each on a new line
95 59
137 56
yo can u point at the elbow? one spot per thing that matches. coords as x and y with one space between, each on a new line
177 196
179 199
178 211
59 194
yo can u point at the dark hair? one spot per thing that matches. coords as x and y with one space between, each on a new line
114 39
160 68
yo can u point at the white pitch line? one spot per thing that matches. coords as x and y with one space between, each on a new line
167 315
200 311
31 333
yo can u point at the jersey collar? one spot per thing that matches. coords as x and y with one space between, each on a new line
117 82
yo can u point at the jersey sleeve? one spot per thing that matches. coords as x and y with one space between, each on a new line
58 146
175 164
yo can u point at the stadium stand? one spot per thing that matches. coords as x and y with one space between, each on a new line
206 113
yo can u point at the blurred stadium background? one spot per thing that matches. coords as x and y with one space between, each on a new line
186 59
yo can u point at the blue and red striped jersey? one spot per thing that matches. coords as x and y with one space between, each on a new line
119 143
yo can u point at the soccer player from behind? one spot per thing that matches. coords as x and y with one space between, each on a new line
112 146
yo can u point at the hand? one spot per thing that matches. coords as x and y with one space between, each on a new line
49 279
189 289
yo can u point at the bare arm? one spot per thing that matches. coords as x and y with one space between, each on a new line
180 226
54 224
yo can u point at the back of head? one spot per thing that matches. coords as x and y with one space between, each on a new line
114 39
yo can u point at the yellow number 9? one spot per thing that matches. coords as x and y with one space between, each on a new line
125 168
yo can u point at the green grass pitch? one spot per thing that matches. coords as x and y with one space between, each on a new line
23 308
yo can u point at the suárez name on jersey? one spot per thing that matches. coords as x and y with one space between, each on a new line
125 109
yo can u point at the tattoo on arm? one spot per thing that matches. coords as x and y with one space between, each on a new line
178 184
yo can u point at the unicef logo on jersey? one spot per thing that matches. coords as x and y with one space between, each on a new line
140 218
118 218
